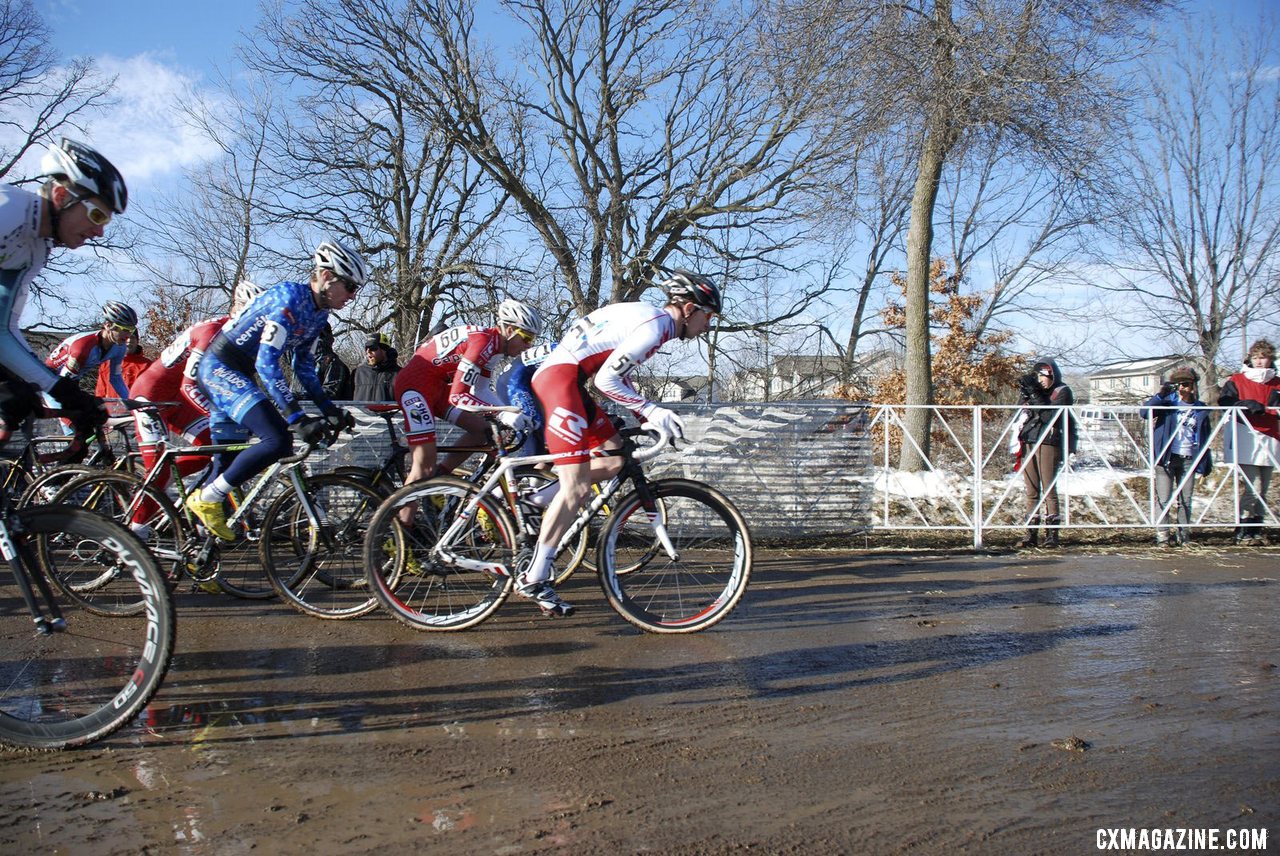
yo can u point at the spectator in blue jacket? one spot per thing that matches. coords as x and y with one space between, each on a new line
1179 452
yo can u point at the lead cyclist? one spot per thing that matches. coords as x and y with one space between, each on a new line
605 348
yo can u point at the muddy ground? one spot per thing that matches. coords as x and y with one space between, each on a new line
917 702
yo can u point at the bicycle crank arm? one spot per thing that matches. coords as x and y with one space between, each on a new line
494 568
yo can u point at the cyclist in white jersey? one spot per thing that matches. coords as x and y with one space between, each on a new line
83 192
606 347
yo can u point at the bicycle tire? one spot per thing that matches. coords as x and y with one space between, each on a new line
109 494
417 589
41 489
696 589
320 571
74 687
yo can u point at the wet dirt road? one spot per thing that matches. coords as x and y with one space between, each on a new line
879 703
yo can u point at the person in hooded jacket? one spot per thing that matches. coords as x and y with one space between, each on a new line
1046 437
1179 451
1252 441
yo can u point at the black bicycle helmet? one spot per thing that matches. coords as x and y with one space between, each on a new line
693 287
87 171
120 314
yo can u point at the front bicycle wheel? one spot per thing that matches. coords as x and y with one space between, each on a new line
428 591
316 564
688 591
80 684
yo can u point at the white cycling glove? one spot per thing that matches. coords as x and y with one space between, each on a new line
515 420
667 422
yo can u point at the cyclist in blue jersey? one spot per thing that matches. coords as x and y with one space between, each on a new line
83 191
246 387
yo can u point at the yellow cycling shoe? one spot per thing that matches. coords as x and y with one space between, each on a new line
212 515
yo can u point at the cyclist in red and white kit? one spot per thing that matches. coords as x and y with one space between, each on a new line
606 346
447 372
173 378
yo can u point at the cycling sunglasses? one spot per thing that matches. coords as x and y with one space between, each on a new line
121 328
523 334
98 215
350 286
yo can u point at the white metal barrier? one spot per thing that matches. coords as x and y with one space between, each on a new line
969 481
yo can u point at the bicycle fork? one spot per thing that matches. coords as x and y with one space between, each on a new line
45 625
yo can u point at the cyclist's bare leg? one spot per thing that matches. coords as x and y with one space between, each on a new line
422 465
575 488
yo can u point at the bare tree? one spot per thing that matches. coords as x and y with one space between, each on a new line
353 157
1012 231
634 133
39 98
204 239
966 73
1201 226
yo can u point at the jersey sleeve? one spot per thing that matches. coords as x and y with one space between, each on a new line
614 376
473 369
117 372
15 354
194 342
271 348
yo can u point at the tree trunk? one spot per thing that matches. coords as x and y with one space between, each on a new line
919 370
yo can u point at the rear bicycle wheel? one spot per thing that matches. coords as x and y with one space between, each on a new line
80 684
319 569
697 587
41 489
428 592
112 494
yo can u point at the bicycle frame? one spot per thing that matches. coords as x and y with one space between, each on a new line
630 471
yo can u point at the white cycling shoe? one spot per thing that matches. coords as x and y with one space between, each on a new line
542 594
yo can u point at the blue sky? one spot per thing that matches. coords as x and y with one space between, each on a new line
159 51
194 36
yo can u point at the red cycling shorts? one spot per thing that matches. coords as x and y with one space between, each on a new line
575 426
422 393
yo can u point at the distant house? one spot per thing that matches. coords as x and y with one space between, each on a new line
690 388
1130 382
801 377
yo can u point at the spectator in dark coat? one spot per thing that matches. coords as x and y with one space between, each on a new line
374 379
334 375
1046 436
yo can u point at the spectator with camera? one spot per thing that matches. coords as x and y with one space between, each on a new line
1253 439
1179 451
1046 436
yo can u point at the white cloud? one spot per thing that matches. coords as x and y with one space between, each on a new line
144 132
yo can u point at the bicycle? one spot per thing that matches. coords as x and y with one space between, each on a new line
687 548
79 662
34 477
299 528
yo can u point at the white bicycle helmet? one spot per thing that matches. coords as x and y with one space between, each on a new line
513 313
335 256
120 314
245 292
83 168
